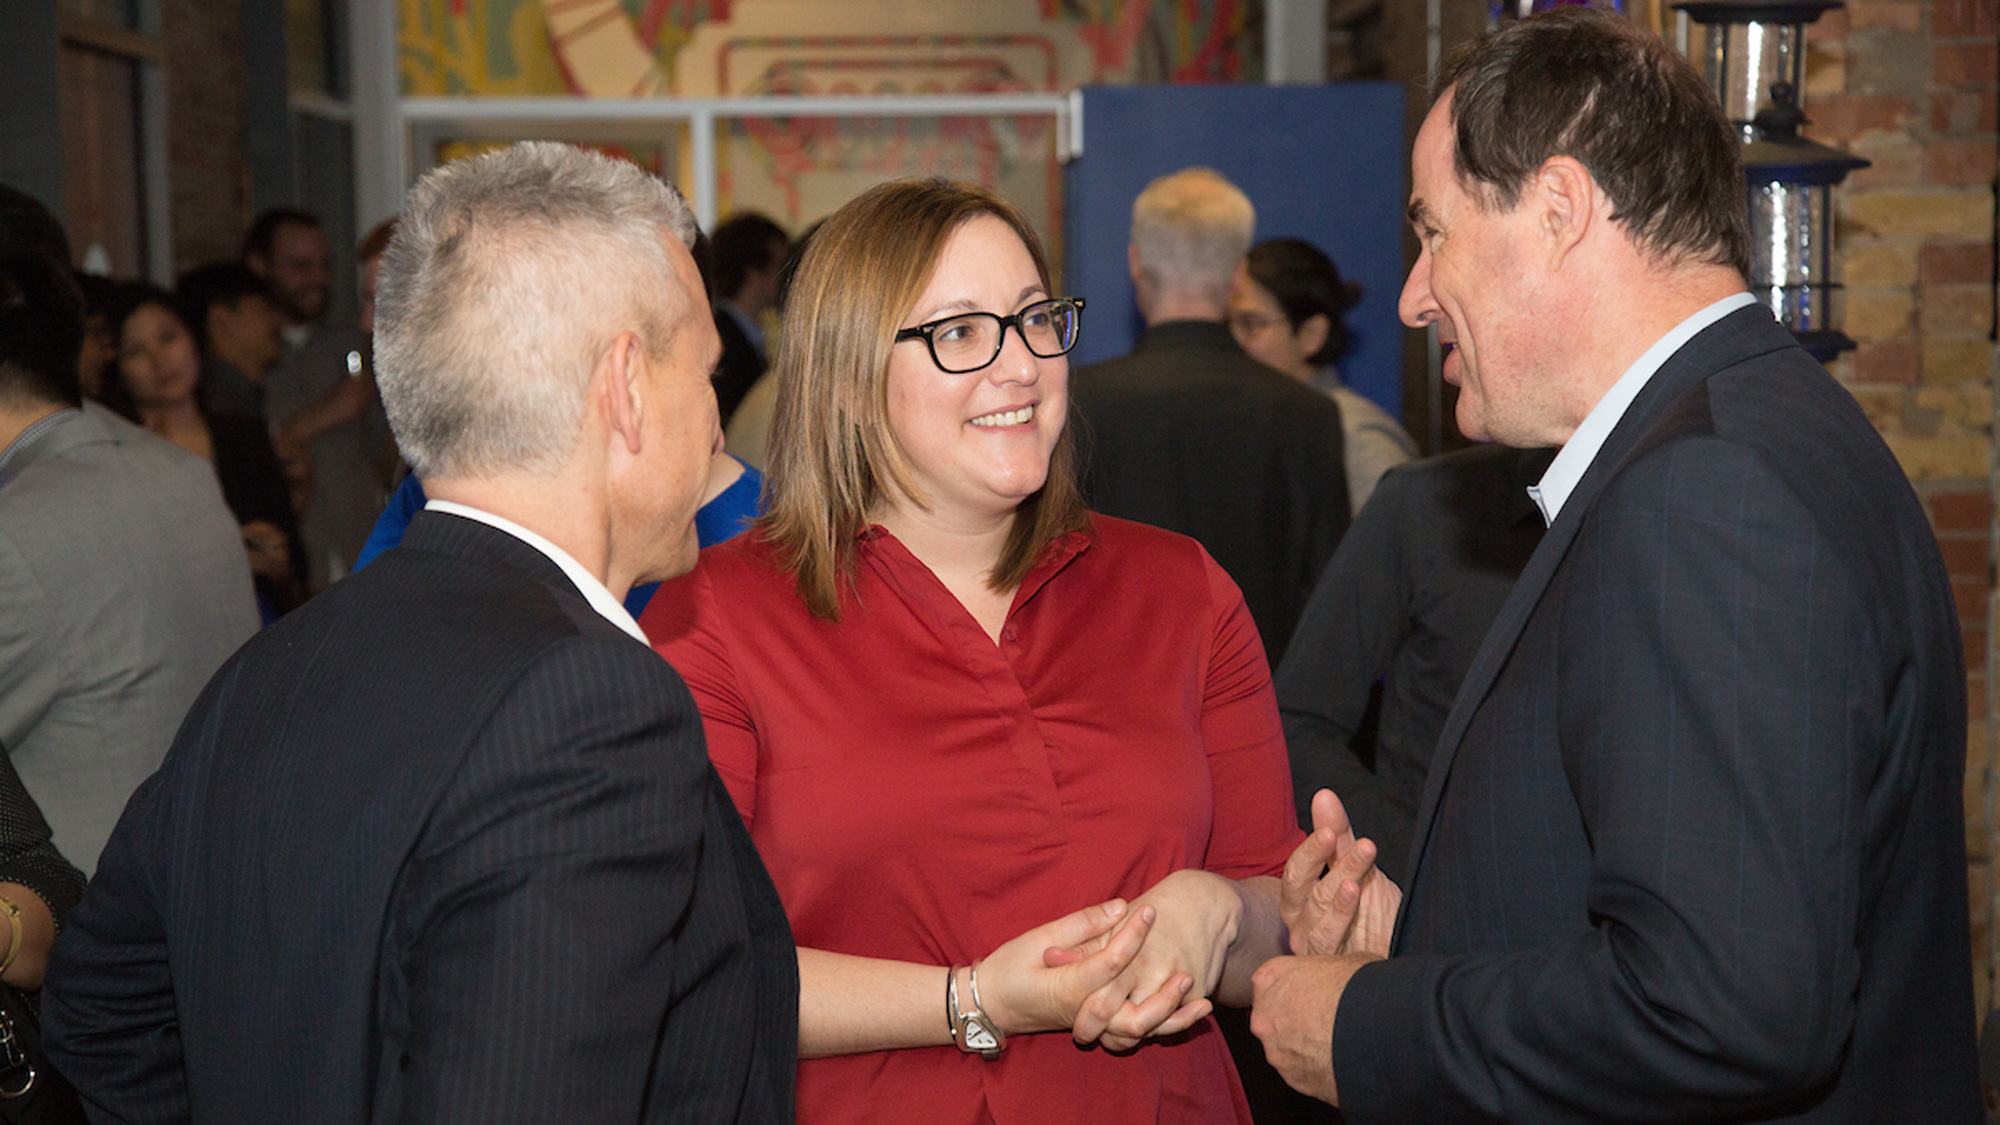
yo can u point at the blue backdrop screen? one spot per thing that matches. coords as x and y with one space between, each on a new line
1323 163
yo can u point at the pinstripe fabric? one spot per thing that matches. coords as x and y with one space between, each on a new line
1692 846
444 845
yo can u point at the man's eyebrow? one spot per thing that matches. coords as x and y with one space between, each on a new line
1418 214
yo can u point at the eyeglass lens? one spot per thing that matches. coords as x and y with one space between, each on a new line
969 342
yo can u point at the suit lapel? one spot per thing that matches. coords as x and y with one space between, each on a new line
1741 335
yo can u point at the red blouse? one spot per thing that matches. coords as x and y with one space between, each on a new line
920 793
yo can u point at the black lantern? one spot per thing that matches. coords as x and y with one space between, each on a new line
1749 46
1791 183
1754 53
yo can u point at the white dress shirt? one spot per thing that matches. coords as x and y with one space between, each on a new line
1581 449
593 591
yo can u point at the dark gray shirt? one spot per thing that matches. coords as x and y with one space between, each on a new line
1405 602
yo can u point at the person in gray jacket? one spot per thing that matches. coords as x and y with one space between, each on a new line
123 583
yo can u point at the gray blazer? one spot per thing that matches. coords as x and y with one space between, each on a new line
123 587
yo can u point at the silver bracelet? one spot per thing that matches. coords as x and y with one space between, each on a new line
974 1031
951 1000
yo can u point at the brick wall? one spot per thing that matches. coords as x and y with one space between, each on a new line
1911 85
208 173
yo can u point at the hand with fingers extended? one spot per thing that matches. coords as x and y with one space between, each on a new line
1168 985
1332 897
1023 990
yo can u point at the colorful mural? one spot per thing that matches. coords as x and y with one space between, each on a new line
479 48
799 168
515 47
1190 40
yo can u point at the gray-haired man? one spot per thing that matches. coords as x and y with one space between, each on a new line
1191 434
445 845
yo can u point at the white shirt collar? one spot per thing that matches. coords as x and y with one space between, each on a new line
593 591
1580 450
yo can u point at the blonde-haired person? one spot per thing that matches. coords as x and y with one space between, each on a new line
951 704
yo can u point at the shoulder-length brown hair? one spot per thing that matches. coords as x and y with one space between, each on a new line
832 451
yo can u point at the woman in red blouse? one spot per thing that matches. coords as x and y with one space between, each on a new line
950 704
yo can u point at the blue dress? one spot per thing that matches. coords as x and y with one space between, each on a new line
730 512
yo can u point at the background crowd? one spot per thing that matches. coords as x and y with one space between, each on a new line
240 367
989 686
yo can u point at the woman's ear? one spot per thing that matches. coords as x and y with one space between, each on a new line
1313 333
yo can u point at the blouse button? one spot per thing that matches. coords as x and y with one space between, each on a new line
1009 634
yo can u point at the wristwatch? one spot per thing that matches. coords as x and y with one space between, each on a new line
974 1031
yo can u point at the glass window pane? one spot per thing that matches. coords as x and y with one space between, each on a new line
102 187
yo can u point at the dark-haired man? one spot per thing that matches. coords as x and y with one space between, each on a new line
237 320
324 402
321 396
123 583
1692 844
748 250
289 249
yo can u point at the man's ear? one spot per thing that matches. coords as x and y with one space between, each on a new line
1567 198
615 387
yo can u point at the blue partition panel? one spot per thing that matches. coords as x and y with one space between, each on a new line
1323 163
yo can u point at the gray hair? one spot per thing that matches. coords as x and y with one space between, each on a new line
1191 230
509 274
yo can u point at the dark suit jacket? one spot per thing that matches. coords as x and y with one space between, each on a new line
1693 845
443 845
1191 434
739 368
254 487
1406 600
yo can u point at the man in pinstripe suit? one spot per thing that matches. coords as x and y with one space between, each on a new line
444 844
1692 845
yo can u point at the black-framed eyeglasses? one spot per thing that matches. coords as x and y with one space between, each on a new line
1245 322
969 341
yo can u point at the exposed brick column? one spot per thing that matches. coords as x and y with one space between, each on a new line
208 173
1911 85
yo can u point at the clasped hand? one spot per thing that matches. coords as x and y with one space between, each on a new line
1210 933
